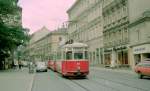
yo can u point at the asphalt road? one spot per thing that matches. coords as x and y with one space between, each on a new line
98 80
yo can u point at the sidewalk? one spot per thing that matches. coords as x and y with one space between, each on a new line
120 70
16 80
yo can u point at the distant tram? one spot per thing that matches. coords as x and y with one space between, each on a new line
71 60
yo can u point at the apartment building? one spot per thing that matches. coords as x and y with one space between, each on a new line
44 43
36 44
86 25
116 20
139 33
53 41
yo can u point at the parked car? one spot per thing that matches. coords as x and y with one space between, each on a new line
41 66
143 68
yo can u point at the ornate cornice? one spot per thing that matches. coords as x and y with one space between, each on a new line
143 18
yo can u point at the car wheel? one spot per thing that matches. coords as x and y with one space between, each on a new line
140 76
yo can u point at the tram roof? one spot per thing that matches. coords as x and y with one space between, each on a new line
75 45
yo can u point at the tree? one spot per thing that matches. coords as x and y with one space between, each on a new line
10 36
8 6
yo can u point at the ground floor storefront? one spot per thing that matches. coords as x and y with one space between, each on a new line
96 57
116 57
122 58
140 53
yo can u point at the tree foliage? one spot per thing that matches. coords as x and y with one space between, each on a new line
10 36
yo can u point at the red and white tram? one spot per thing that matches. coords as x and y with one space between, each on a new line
72 60
52 65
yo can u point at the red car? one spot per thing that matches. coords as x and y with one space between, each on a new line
143 68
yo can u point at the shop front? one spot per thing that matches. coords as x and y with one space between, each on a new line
107 57
141 52
122 58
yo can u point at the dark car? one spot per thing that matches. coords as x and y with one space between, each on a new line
143 68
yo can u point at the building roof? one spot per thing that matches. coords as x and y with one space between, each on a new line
39 34
76 2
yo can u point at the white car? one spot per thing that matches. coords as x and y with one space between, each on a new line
41 66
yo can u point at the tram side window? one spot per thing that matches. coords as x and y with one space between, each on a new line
86 55
59 56
78 55
69 55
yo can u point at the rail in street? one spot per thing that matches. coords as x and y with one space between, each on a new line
97 80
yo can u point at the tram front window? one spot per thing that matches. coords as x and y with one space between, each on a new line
78 55
69 55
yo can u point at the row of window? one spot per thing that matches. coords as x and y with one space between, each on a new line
89 34
107 2
139 35
86 17
115 14
116 38
81 7
44 46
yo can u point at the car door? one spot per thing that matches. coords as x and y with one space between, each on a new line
146 69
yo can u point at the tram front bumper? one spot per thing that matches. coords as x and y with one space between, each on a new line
76 73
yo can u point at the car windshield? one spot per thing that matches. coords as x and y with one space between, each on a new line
147 60
41 64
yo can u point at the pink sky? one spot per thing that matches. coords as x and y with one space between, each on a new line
49 13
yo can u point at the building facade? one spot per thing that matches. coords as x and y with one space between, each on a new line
86 25
54 40
116 39
43 48
139 38
36 44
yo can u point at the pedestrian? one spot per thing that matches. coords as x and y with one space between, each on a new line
15 64
31 67
20 65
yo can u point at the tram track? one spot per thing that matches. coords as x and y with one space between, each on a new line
89 80
80 85
92 81
118 82
58 75
121 83
98 83
124 84
108 82
107 86
83 86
